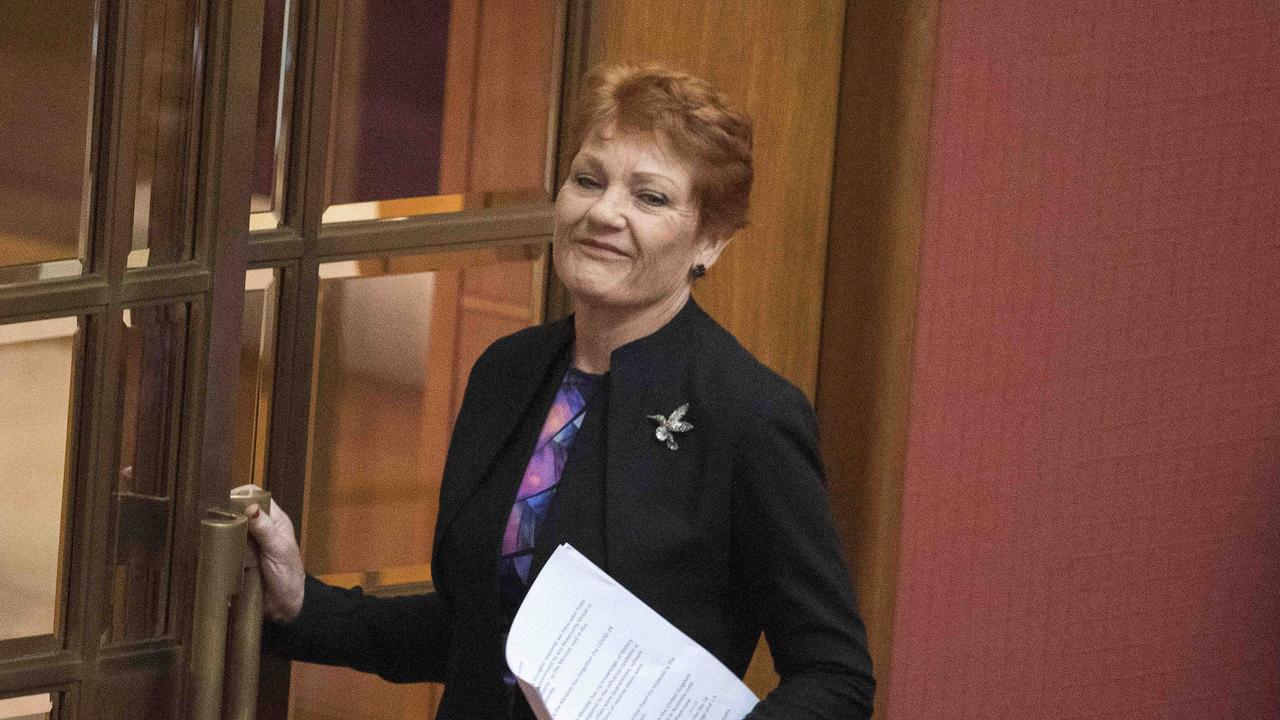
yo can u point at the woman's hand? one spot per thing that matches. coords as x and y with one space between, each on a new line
279 560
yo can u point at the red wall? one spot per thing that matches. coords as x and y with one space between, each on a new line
1092 500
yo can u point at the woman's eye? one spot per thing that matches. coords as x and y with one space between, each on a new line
653 199
586 182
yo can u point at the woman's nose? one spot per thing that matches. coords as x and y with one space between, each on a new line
606 211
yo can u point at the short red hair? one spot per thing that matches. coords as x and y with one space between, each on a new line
692 117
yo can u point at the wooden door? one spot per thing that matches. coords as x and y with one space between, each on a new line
122 227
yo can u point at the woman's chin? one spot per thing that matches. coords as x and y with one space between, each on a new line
587 282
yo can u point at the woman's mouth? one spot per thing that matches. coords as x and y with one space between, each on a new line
600 249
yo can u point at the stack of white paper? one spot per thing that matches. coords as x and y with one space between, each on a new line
584 648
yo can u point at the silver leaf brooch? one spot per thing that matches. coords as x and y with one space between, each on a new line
669 426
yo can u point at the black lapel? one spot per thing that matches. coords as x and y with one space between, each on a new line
492 410
650 376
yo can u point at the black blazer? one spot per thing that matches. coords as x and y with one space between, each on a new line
727 536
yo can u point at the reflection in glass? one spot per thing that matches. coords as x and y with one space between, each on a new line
161 233
37 365
395 341
29 707
275 98
47 69
154 339
440 98
257 376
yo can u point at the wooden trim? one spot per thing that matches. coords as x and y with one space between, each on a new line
20 647
138 656
164 282
274 247
53 298
30 674
81 484
876 225
435 232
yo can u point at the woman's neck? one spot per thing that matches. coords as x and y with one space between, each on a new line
599 330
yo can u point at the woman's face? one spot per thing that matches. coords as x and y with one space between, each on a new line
627 224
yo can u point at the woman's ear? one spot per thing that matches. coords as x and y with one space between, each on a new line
711 244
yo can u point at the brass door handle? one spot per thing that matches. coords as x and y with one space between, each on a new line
223 540
245 634
227 617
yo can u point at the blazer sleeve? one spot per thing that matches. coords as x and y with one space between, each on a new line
401 639
797 581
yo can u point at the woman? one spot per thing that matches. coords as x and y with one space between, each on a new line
638 430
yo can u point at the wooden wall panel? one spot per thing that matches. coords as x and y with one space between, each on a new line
877 220
778 61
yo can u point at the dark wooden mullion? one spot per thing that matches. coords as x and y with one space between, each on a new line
53 298
93 495
83 486
164 282
66 701
32 674
275 246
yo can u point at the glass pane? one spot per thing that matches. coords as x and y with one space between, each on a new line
161 232
30 707
154 340
275 97
37 370
440 106
395 341
257 376
47 67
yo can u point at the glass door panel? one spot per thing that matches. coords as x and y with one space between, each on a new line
275 103
440 106
252 417
152 372
395 341
167 113
37 378
48 64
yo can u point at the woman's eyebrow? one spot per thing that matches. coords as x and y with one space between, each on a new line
591 161
644 176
